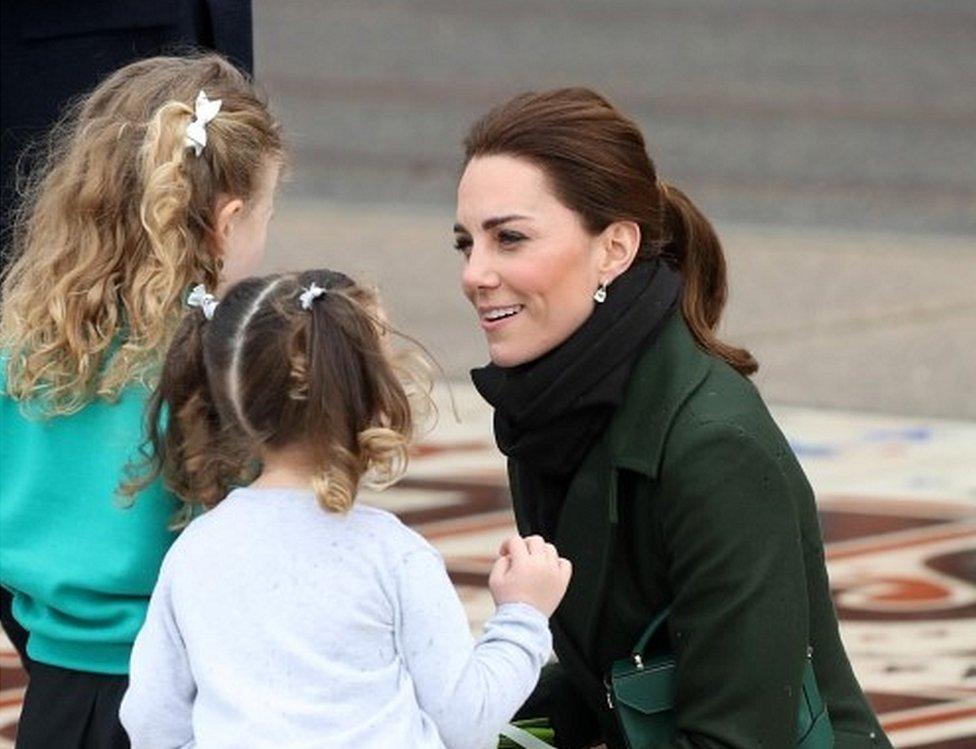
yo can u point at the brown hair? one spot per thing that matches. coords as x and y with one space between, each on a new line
115 224
267 372
598 166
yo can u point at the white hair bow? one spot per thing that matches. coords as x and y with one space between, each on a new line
310 294
203 299
196 132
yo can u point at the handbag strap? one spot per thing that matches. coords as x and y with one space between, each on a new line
652 628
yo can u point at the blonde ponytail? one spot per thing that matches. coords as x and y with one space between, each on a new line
384 454
379 462
173 258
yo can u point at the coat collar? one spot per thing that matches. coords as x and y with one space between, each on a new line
663 379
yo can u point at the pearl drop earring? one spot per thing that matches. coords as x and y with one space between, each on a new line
600 295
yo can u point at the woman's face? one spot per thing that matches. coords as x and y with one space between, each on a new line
530 266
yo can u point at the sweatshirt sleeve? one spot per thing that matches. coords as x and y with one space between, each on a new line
157 707
469 690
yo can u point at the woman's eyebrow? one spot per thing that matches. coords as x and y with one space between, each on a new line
491 223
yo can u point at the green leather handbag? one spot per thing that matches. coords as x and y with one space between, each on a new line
640 691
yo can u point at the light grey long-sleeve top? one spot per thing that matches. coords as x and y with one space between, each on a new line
277 624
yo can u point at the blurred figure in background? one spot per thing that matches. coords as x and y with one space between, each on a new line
56 50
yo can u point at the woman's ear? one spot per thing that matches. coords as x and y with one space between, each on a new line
620 242
227 211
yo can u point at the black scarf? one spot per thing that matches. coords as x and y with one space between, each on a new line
550 411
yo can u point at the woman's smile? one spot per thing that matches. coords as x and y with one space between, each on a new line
495 317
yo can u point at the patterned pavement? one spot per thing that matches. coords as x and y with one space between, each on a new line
898 507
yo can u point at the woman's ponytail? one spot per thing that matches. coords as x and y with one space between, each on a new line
694 247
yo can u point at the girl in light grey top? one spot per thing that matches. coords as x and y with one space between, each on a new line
286 616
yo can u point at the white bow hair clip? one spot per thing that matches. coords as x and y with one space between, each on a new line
310 294
203 299
196 132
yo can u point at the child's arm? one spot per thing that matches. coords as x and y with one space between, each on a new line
156 710
468 690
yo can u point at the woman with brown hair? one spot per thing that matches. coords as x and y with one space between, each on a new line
636 442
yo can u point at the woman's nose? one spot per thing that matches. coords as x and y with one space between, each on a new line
479 272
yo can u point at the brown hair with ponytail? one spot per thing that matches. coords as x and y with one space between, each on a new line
266 373
597 164
116 222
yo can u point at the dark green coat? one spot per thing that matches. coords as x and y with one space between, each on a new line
692 497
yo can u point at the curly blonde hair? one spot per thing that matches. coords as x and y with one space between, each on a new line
116 222
266 374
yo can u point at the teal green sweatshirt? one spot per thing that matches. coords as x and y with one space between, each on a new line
79 562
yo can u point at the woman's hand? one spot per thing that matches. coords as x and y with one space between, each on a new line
529 570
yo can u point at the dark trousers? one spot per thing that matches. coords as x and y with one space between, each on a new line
71 710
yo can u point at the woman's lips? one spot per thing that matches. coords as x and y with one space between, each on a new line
494 317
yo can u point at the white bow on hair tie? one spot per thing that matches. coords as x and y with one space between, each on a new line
196 132
203 299
313 292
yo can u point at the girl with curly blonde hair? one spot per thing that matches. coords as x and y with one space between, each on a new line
289 614
163 177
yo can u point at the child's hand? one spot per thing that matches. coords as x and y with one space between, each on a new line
529 570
